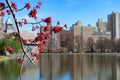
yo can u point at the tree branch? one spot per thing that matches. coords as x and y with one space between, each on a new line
15 20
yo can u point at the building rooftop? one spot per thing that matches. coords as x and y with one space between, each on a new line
27 35
101 33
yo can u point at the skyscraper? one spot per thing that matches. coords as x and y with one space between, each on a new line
114 25
101 26
1 22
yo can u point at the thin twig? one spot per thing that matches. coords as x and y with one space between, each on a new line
4 8
21 8
32 22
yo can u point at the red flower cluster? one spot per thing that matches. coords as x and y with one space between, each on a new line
36 55
10 50
33 28
37 27
33 13
38 5
27 6
22 40
39 38
8 12
20 61
46 28
57 29
14 6
40 47
24 21
44 42
47 20
66 26
2 6
58 23
2 13
20 24
47 35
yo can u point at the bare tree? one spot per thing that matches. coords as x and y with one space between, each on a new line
90 44
100 45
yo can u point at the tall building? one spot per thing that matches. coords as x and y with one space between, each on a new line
9 26
81 34
1 22
77 34
101 26
114 25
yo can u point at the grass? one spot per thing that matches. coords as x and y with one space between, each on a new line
4 58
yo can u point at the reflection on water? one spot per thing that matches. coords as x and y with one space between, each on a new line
64 67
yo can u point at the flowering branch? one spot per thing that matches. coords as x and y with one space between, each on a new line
15 20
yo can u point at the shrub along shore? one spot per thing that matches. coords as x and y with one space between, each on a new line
4 58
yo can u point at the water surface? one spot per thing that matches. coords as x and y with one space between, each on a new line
64 67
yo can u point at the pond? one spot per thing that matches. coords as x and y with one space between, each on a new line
64 67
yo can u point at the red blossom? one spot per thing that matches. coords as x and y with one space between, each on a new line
20 61
41 33
33 28
2 13
37 27
10 50
58 23
33 13
39 38
33 53
47 20
40 45
30 40
66 26
24 41
24 21
8 12
27 6
40 49
37 6
46 28
20 24
37 56
21 39
14 6
39 3
57 29
2 6
44 42
46 36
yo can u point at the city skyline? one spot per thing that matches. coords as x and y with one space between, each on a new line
69 11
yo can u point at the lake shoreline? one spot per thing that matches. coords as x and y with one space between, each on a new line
4 58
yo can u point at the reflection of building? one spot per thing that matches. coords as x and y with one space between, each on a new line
114 25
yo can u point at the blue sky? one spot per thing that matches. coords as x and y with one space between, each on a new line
69 11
